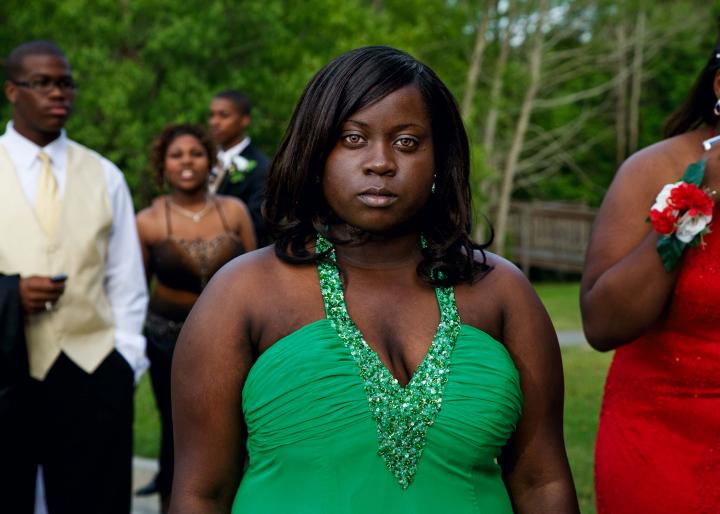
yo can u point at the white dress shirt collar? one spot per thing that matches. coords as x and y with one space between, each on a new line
23 151
225 156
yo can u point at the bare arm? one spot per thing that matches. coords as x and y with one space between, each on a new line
144 228
625 287
241 222
534 462
210 365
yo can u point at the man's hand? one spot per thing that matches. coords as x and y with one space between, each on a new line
39 294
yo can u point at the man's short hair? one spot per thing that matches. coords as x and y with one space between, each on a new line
239 100
14 61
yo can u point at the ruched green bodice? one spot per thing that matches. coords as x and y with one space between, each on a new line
315 446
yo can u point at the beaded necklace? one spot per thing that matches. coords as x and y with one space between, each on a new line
403 414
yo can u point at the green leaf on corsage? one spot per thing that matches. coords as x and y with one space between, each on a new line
670 249
694 173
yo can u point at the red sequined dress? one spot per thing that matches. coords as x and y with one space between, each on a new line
658 445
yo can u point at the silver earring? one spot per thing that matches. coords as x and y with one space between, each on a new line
716 109
432 189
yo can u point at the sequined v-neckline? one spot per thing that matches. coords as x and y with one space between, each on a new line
403 414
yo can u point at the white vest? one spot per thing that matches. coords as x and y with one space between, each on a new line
81 325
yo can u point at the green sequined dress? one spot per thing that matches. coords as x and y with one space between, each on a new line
330 431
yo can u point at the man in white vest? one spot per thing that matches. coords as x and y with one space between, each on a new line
69 238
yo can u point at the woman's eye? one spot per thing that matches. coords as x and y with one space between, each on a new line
407 143
353 139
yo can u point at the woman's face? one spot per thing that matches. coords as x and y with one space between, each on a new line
379 174
186 163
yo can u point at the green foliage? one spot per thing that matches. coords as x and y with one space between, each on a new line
144 63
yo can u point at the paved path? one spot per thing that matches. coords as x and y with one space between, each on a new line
143 471
571 337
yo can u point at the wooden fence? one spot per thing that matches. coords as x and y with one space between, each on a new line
549 235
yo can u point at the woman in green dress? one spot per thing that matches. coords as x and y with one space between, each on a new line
375 359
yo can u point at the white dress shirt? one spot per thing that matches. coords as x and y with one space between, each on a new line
224 157
224 160
124 274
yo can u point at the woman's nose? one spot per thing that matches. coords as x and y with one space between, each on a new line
381 160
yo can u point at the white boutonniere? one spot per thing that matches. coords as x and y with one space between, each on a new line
239 168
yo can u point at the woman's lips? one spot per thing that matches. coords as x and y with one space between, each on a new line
377 197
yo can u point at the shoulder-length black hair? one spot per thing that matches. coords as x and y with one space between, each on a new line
295 206
697 108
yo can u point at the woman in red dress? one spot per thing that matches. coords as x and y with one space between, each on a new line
658 445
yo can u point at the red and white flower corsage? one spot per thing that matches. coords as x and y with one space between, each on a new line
681 215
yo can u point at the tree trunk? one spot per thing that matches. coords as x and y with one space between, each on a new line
520 129
496 89
621 121
476 61
636 84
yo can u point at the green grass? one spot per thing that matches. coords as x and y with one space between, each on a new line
147 421
585 371
561 299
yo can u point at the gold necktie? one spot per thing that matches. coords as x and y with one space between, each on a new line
47 200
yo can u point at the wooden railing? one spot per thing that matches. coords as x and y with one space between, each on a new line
549 235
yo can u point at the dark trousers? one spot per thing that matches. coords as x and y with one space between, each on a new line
78 426
160 349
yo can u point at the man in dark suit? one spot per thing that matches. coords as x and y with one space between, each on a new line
241 169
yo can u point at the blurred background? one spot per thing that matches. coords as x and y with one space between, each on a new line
554 93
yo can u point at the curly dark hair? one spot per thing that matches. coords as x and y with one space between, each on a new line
295 206
162 141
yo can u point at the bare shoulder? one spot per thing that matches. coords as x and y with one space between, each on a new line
232 205
256 287
235 294
264 281
490 302
249 270
662 162
235 211
502 275
151 220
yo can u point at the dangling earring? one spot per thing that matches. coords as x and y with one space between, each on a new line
432 189
716 109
